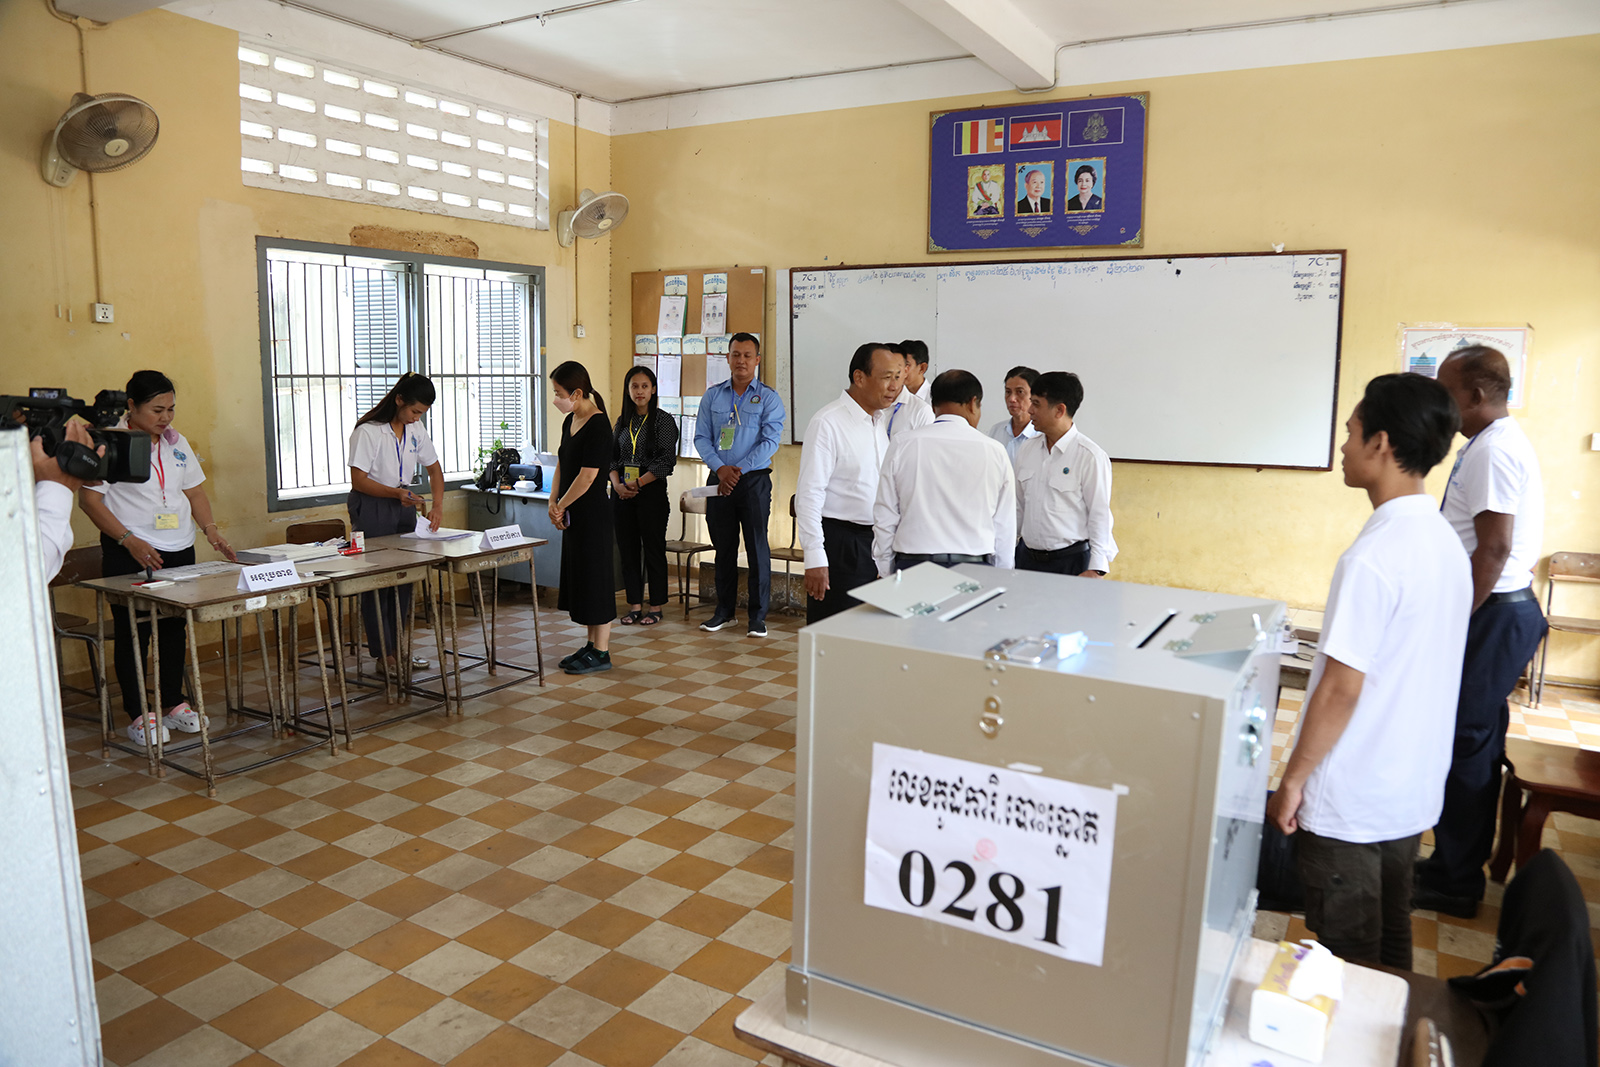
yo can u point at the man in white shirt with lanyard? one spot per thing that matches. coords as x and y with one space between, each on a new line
946 494
1063 487
906 411
838 482
1495 503
1367 773
917 380
1017 427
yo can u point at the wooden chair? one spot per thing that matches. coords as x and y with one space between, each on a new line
1555 778
80 565
791 554
684 549
309 533
1565 567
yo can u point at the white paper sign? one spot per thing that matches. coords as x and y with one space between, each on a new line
1423 348
669 375
670 323
714 313
502 536
1008 855
268 576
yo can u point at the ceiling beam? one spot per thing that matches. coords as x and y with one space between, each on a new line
998 33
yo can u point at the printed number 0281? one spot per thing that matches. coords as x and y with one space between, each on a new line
918 884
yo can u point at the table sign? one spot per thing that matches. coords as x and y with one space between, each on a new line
268 576
502 536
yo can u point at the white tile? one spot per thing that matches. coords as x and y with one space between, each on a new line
449 967
115 995
283 848
551 864
680 1003
445 1031
262 889
565 1017
365 877
454 915
558 956
460 834
165 895
761 933
692 1052
724 848
639 855
188 856
742 888
351 925
664 945
336 980
554 906
245 934
203 1045
221 991
125 826
124 949
371 840
325 1041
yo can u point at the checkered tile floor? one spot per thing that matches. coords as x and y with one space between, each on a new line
596 872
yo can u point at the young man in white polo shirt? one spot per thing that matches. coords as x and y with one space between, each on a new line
1063 487
1368 770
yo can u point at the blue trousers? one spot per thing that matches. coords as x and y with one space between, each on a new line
745 509
1501 639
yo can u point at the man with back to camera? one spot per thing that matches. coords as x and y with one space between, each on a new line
1017 427
53 492
916 353
1368 769
737 433
907 411
1063 487
946 494
1495 503
1034 201
838 482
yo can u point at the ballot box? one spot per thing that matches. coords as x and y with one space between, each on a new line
1027 833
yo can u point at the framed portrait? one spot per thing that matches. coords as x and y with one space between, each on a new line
1051 174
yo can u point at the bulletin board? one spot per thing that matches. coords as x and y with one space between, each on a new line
693 357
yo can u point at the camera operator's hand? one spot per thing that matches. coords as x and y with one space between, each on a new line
142 553
47 469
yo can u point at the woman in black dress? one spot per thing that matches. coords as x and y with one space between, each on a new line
646 452
579 506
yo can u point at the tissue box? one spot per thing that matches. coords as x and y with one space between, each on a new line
1284 1022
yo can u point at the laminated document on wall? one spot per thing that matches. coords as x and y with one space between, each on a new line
670 321
694 344
715 282
675 285
646 361
686 428
644 344
714 313
717 370
669 375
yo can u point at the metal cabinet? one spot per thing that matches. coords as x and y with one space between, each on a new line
1168 711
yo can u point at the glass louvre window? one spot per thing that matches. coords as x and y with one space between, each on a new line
338 328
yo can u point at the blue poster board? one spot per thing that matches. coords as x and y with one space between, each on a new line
1045 174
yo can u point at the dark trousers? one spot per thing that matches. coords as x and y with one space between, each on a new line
1358 897
379 516
1074 559
907 560
745 509
114 560
1501 639
642 542
849 548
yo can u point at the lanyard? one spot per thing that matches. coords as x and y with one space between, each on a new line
898 404
633 437
161 472
399 462
1459 457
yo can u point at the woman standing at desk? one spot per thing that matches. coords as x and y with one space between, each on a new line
151 525
578 505
646 452
385 449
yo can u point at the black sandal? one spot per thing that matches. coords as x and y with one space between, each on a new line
649 618
632 618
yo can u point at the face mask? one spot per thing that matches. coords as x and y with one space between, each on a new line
564 404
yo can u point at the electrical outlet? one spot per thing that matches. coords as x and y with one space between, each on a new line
104 313
577 329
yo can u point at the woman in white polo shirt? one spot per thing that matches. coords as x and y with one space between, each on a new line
152 525
386 447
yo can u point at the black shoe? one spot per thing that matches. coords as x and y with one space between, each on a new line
757 629
590 661
570 660
1432 900
715 623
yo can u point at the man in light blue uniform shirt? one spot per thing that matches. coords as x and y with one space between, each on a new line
737 433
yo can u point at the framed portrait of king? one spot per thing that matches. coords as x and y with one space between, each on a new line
1045 174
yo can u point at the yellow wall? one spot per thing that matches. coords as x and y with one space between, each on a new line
178 234
1462 184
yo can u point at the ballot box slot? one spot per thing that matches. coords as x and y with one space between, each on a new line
1161 624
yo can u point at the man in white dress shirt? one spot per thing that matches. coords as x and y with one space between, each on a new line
946 494
838 483
1063 487
1017 427
1495 502
907 411
916 353
53 490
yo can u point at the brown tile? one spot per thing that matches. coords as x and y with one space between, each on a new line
279 773
358 767
628 1040
645 749
291 954
690 872
431 762
344 797
128 878
771 862
505 992
421 819
1451 966
306 905
389 1004
1424 933
780 903
180 807
262 1021
264 800
178 965
585 808
331 828
242 835
504 814
504 936
782 762
111 918
736 795
705 915
207 913
322 862
424 790
508 1047
399 946
724 966
599 879
571 731
617 979
580 779
103 811
755 827
575 755
592 841
417 854
407 896
657 774
606 925
675 834
383 1053
718 1030
723 767
505 759
504 888
135 1034
665 801
227 870
503 848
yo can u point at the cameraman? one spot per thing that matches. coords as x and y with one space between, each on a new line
53 489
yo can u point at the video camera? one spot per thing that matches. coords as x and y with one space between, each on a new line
46 412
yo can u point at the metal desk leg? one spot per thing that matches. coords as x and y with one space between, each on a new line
455 642
200 704
437 604
492 640
402 656
105 688
338 664
322 675
266 679
152 738
475 583
538 641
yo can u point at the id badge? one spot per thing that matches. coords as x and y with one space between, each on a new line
166 520
630 474
725 439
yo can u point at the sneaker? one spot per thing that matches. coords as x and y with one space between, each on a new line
715 623
1432 900
420 664
136 730
757 629
576 656
590 661
182 718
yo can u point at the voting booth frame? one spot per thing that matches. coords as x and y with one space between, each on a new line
1007 855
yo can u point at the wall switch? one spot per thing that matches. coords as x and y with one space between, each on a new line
577 329
1594 442
104 313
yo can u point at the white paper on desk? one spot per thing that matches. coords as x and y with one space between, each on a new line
422 532
717 370
670 321
669 375
196 570
714 313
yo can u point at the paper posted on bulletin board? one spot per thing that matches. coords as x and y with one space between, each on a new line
1423 346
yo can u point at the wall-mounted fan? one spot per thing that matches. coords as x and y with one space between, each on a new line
597 214
99 133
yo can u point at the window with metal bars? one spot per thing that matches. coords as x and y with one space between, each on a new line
339 325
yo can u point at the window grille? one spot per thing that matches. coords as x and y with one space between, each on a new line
339 132
337 330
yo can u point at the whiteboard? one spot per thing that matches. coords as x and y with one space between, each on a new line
1218 359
